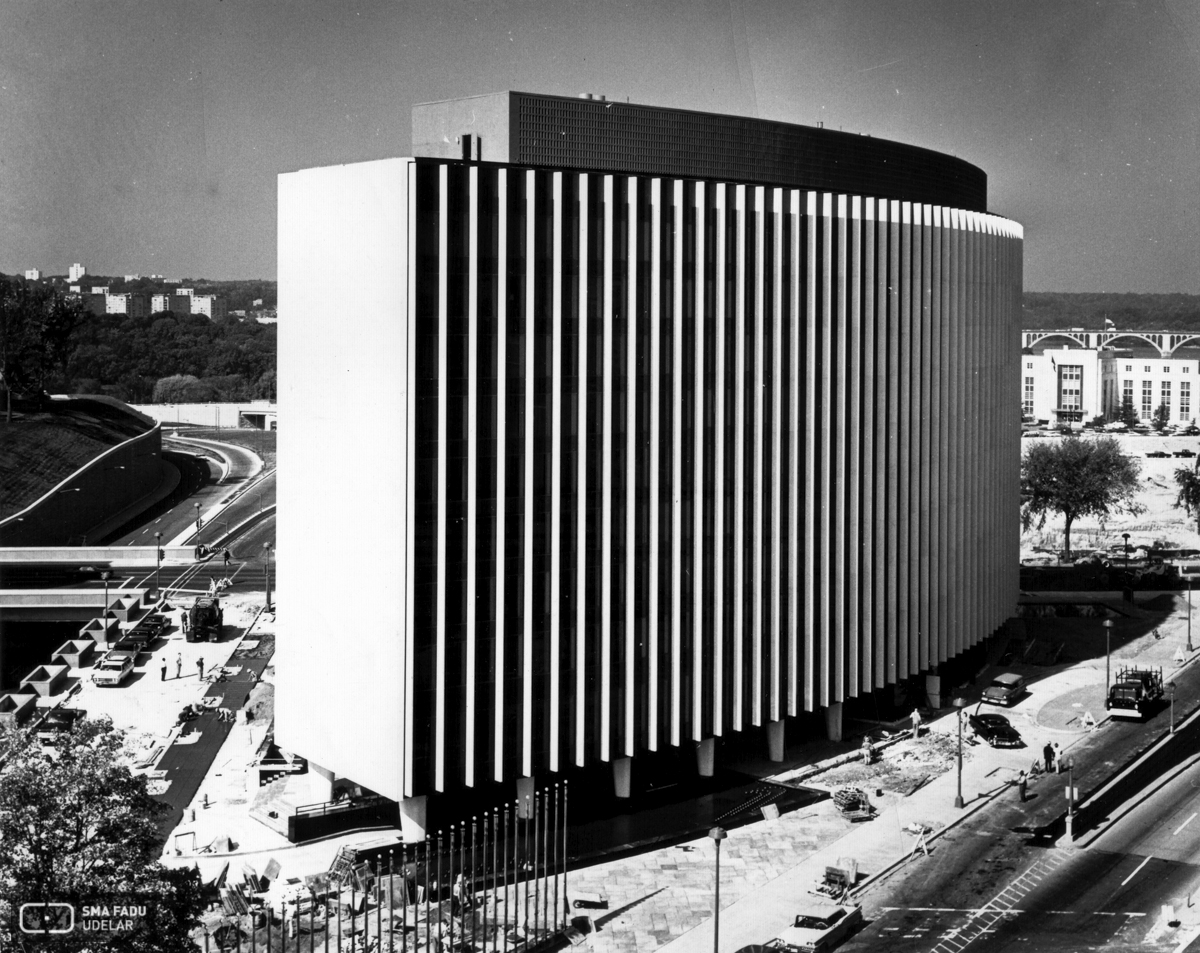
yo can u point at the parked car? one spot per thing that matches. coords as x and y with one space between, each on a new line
155 623
1158 454
131 645
1040 559
996 730
57 721
112 670
820 925
1185 453
1005 689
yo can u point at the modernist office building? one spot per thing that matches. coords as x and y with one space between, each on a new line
638 427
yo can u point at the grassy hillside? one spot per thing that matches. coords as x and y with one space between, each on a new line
44 445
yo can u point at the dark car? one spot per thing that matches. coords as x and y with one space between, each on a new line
1158 454
996 730
1184 453
155 623
56 721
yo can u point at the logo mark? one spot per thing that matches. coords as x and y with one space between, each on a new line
45 918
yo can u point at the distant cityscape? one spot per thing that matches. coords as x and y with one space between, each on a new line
152 296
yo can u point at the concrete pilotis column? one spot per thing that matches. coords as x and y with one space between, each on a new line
706 756
412 819
525 798
833 722
322 781
775 740
622 773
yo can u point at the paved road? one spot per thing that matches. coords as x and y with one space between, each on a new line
990 883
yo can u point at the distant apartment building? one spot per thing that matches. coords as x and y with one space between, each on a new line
76 289
32 274
99 289
210 305
75 272
183 301
130 277
172 281
134 305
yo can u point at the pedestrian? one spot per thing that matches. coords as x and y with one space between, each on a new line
1048 757
183 620
868 750
164 669
225 556
1021 785
200 668
1058 762
179 666
916 723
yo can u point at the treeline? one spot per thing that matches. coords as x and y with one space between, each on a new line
185 356
1128 312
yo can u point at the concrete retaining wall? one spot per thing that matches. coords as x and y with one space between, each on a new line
220 415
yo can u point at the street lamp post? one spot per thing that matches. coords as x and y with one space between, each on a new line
1125 536
1171 689
959 704
198 524
1071 788
1108 625
106 575
157 561
267 548
717 834
1189 641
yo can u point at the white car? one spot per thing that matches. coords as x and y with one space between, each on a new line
820 925
112 670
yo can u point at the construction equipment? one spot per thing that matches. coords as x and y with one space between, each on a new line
838 881
206 617
1134 692
853 804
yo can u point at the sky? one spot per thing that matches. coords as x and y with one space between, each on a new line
145 136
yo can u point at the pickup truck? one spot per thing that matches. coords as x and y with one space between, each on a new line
112 670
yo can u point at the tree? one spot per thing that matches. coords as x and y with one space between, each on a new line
77 826
1188 481
1129 416
1077 477
1162 417
35 328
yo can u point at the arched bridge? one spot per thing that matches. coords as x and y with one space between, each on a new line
1166 342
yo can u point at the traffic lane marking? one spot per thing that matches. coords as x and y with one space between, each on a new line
1135 873
1086 913
1184 824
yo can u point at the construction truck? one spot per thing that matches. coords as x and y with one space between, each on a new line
206 618
1134 691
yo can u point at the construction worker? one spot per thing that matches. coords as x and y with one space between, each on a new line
164 669
1022 783
200 668
183 620
915 718
179 666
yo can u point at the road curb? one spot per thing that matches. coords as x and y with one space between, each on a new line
977 805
